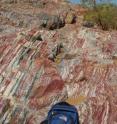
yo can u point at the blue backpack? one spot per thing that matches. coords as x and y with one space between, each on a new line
62 113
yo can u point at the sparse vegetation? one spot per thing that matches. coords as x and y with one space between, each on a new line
104 15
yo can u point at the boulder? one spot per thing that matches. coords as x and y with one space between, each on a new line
50 21
40 4
88 24
70 18
56 51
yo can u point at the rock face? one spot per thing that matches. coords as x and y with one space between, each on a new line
33 13
82 70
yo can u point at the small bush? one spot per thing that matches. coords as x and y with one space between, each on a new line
105 16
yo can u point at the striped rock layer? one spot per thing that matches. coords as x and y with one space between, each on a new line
84 73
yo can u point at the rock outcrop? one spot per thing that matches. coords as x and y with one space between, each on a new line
70 18
50 22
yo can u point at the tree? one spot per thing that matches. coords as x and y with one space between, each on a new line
89 3
93 3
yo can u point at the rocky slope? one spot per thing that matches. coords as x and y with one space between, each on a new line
40 66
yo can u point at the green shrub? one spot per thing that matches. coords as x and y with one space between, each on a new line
105 16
